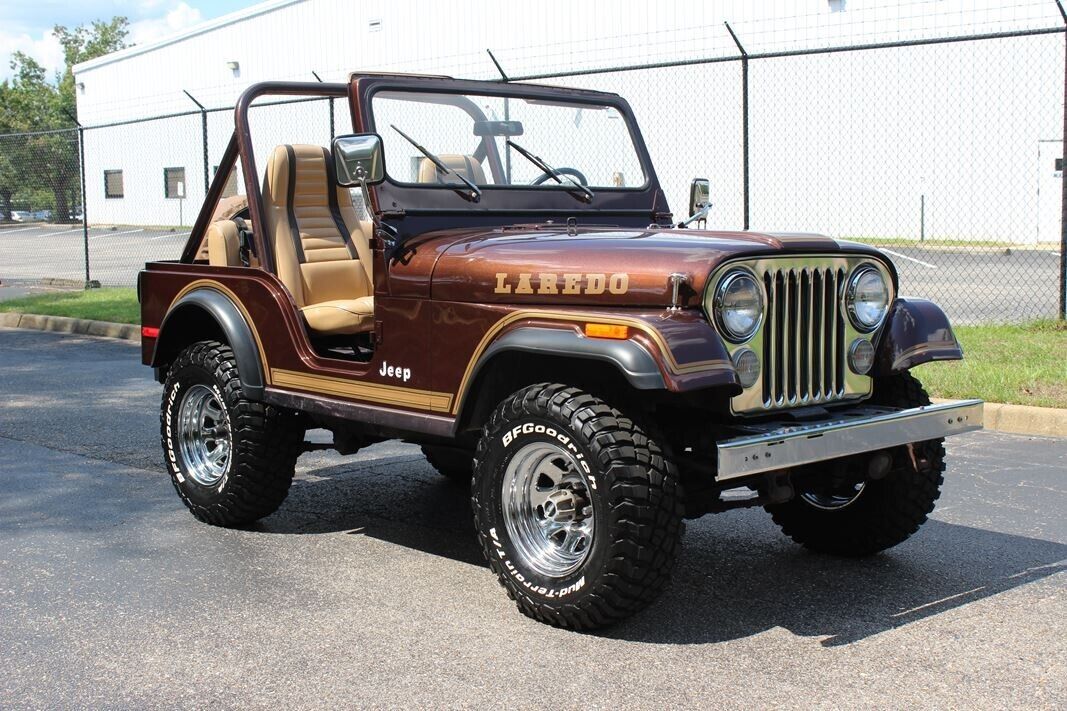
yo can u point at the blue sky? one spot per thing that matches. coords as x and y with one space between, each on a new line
26 25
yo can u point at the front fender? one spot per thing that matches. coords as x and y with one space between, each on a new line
672 351
630 358
179 328
917 332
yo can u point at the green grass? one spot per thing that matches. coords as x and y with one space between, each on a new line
1024 365
117 305
950 243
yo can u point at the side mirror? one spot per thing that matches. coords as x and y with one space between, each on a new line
358 158
699 195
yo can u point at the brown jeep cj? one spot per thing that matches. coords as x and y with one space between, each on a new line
490 270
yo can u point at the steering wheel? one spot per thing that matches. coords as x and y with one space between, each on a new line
573 172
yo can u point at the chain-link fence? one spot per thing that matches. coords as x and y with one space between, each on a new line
41 205
946 153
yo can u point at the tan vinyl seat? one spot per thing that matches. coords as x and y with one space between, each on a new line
321 247
223 244
467 166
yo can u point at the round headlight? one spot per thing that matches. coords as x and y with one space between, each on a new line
738 305
867 298
747 365
861 356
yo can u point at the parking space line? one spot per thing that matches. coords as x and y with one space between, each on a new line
178 234
32 227
113 234
910 259
62 232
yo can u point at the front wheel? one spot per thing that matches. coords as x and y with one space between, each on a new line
578 512
230 459
841 512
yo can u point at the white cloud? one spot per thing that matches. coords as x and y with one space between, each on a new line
158 19
44 48
176 19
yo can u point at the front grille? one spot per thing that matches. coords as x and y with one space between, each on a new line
804 336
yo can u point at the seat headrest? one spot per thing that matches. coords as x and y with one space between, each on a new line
289 160
465 165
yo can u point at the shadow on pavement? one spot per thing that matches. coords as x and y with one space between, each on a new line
739 593
737 575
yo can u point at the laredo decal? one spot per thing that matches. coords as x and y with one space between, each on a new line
551 283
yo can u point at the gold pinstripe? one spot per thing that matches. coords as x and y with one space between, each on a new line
372 392
218 286
573 317
429 399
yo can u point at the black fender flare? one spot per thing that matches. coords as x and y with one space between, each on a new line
631 359
235 329
918 331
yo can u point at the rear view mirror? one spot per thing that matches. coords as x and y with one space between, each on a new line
498 128
358 158
699 195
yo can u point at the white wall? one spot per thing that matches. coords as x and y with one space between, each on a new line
843 143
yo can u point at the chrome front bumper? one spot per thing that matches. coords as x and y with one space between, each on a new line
859 429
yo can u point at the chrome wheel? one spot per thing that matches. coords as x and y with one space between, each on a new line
203 436
547 509
836 498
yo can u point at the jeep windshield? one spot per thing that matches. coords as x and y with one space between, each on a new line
506 142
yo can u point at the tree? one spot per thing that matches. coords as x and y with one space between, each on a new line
29 102
82 44
10 177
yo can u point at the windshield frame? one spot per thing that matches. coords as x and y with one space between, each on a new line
538 199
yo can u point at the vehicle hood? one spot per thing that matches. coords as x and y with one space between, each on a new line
596 266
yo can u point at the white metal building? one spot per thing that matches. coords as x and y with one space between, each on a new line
850 144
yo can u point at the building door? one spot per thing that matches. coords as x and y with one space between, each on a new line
1049 191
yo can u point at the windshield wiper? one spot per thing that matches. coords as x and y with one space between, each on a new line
475 193
555 174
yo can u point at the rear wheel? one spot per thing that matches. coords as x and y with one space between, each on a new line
837 510
577 510
450 462
231 460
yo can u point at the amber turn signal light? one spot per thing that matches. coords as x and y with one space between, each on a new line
607 330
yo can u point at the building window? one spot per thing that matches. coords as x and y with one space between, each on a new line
230 188
113 184
174 182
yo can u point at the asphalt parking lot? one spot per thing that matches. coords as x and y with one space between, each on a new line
30 252
982 284
367 588
972 285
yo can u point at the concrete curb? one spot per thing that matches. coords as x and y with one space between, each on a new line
1024 419
55 281
63 324
1016 419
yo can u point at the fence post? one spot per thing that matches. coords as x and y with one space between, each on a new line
744 121
85 207
203 130
922 217
333 129
1063 183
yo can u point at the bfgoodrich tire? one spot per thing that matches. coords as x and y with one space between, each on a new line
231 460
881 513
578 512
